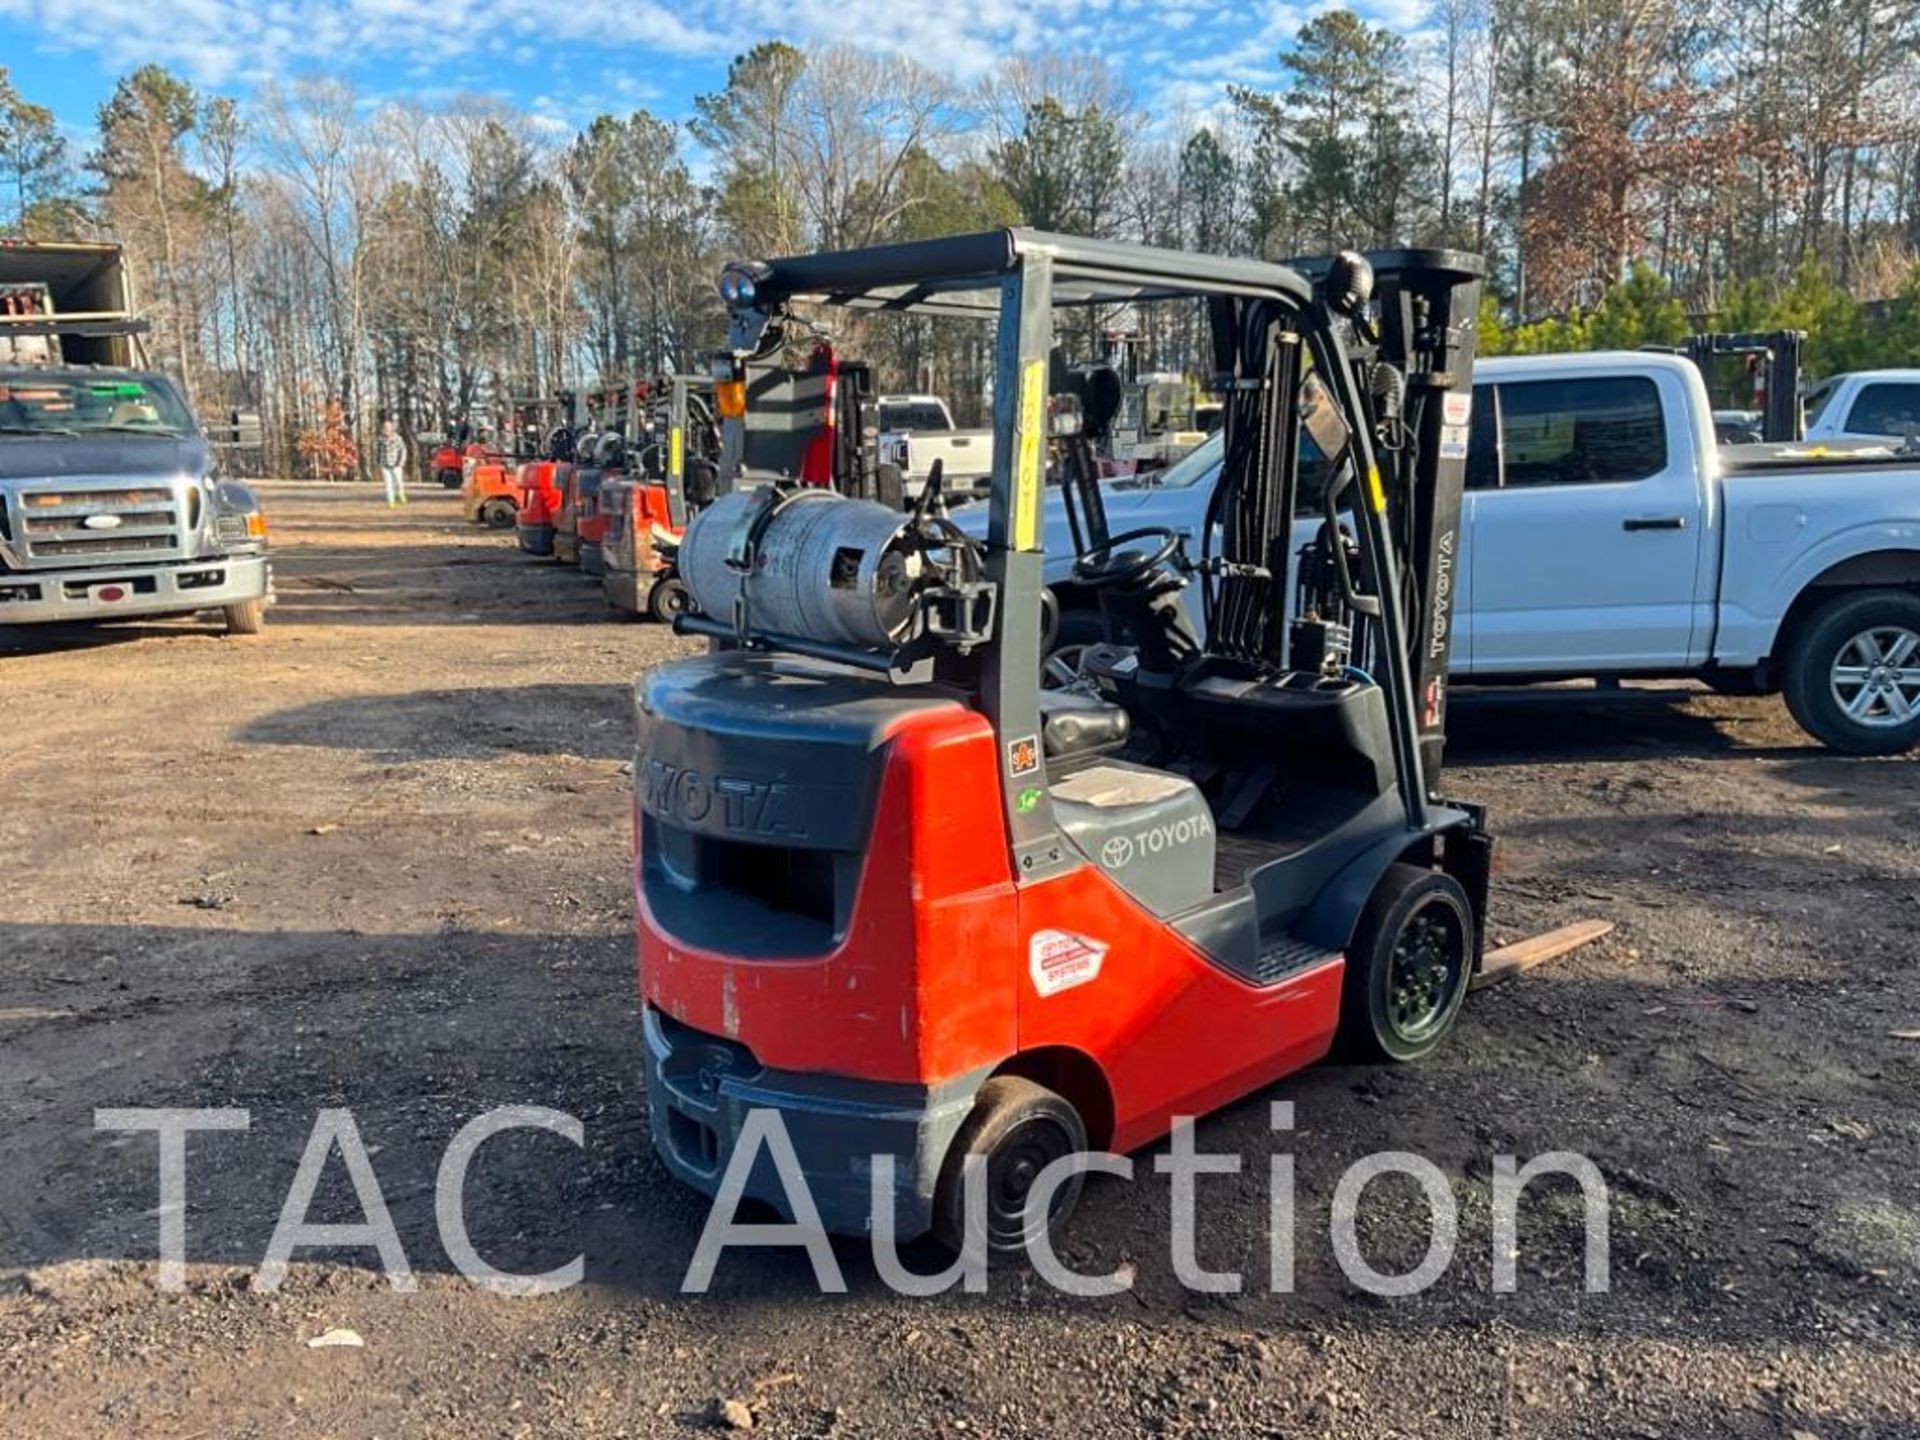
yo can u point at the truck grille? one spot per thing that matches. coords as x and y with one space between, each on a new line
145 522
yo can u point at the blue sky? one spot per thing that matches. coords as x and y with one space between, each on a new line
566 60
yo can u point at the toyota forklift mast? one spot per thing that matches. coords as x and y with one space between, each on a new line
1772 366
890 887
1410 356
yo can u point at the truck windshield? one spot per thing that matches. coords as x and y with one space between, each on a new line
910 415
36 403
1200 463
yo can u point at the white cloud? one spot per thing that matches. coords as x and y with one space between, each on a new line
1179 55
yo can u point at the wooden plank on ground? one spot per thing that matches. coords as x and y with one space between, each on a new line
1521 956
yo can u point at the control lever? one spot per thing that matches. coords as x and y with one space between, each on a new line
1357 601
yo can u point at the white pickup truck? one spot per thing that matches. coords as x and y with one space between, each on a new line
916 430
1866 405
1605 534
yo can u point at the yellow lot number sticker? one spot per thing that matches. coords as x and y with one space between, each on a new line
1028 477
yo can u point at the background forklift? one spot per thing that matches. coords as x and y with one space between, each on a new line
600 452
1765 393
891 888
646 510
491 492
542 479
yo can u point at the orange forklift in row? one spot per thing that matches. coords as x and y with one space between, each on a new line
893 892
494 481
643 513
602 454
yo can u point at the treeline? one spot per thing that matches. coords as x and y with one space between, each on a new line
1632 168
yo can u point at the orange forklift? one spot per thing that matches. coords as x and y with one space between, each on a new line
494 479
914 904
491 490
589 514
542 482
576 485
645 511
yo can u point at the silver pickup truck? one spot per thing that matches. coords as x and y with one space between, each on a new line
111 503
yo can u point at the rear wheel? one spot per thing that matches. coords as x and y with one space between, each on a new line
1018 1128
668 598
1853 679
245 617
1408 966
449 479
499 514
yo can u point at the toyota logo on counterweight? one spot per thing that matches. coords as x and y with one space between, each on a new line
1116 852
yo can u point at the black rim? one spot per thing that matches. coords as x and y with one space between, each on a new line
1016 1162
1425 972
670 599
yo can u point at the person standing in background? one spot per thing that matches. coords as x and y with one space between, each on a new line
390 454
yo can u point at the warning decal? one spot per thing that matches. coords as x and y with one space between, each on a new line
1059 960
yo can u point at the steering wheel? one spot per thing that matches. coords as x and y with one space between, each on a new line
1102 567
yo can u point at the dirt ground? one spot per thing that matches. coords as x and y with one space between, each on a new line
378 859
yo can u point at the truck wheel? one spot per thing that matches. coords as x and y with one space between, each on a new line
499 514
1408 967
667 598
1018 1128
246 617
1853 677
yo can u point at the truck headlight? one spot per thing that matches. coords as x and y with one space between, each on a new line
240 529
236 516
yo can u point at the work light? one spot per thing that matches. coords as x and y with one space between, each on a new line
740 281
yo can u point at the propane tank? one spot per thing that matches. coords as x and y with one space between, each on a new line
827 568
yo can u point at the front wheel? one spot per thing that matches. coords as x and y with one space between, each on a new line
1408 966
449 479
1853 679
1018 1128
245 617
667 598
499 514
